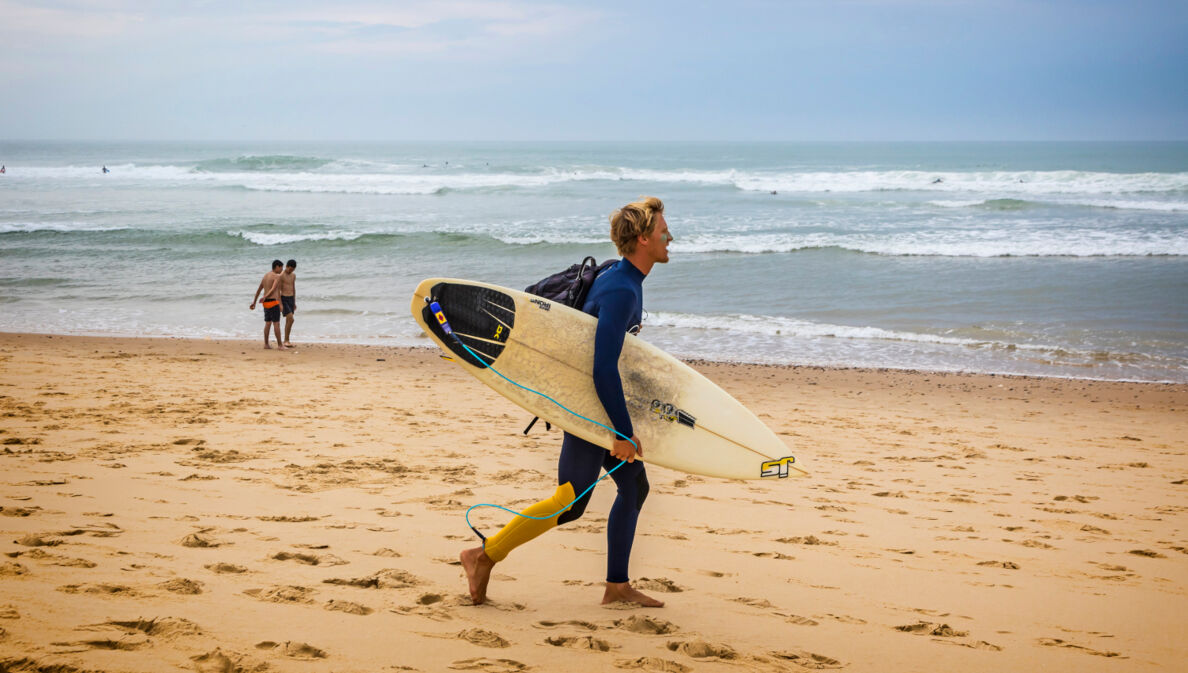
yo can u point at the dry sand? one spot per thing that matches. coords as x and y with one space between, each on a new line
201 505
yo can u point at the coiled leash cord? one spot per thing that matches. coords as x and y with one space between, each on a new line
445 326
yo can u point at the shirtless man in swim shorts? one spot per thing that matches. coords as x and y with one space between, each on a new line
288 297
616 299
271 286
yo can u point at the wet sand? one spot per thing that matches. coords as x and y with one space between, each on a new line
211 506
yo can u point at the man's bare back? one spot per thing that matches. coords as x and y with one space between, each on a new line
272 286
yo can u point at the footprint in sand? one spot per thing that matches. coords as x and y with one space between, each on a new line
1057 642
166 628
483 638
121 641
809 660
653 664
98 589
1009 565
10 569
660 584
580 643
225 568
489 665
798 620
347 607
648 625
183 586
18 511
283 594
303 651
218 661
931 629
700 649
570 623
199 541
844 619
37 541
389 578
762 603
310 559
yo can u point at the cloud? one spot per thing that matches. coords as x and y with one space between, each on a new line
454 27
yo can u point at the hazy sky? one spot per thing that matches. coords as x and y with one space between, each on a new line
556 70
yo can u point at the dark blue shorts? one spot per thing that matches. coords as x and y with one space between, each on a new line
272 314
288 304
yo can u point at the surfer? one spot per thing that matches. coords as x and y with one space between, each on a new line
271 284
616 299
288 297
105 171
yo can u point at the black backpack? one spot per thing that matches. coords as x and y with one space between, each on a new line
568 287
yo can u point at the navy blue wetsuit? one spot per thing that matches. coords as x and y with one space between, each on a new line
616 299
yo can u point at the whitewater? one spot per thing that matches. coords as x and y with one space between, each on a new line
1053 259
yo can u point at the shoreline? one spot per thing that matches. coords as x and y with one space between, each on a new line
692 361
178 503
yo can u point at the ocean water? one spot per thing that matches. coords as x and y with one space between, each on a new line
1052 259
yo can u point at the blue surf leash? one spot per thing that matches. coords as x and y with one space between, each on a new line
445 326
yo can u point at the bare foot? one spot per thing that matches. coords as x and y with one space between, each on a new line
623 591
478 572
267 347
288 344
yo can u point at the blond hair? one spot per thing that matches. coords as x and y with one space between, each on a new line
634 220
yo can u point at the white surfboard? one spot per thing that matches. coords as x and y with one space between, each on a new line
682 419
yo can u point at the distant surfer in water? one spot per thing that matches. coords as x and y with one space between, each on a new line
105 171
270 285
616 299
288 297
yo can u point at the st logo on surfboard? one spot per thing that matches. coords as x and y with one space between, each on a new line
777 468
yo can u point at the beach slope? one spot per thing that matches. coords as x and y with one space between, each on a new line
212 506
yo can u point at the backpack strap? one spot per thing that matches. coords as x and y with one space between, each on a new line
548 426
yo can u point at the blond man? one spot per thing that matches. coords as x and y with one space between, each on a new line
641 236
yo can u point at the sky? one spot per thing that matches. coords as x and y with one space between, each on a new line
514 70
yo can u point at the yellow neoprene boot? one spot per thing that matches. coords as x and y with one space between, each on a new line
520 530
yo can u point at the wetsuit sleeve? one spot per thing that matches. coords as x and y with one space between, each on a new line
613 315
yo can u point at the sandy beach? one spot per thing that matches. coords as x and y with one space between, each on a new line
211 506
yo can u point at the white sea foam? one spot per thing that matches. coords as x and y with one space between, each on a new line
950 243
370 177
791 327
261 238
1115 204
60 227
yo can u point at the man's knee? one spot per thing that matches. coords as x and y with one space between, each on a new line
641 490
575 512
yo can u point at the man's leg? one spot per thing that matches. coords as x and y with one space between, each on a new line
577 468
288 328
267 327
276 329
632 482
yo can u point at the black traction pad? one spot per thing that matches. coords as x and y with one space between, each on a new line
481 318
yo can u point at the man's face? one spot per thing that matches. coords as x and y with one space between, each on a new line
290 269
657 243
